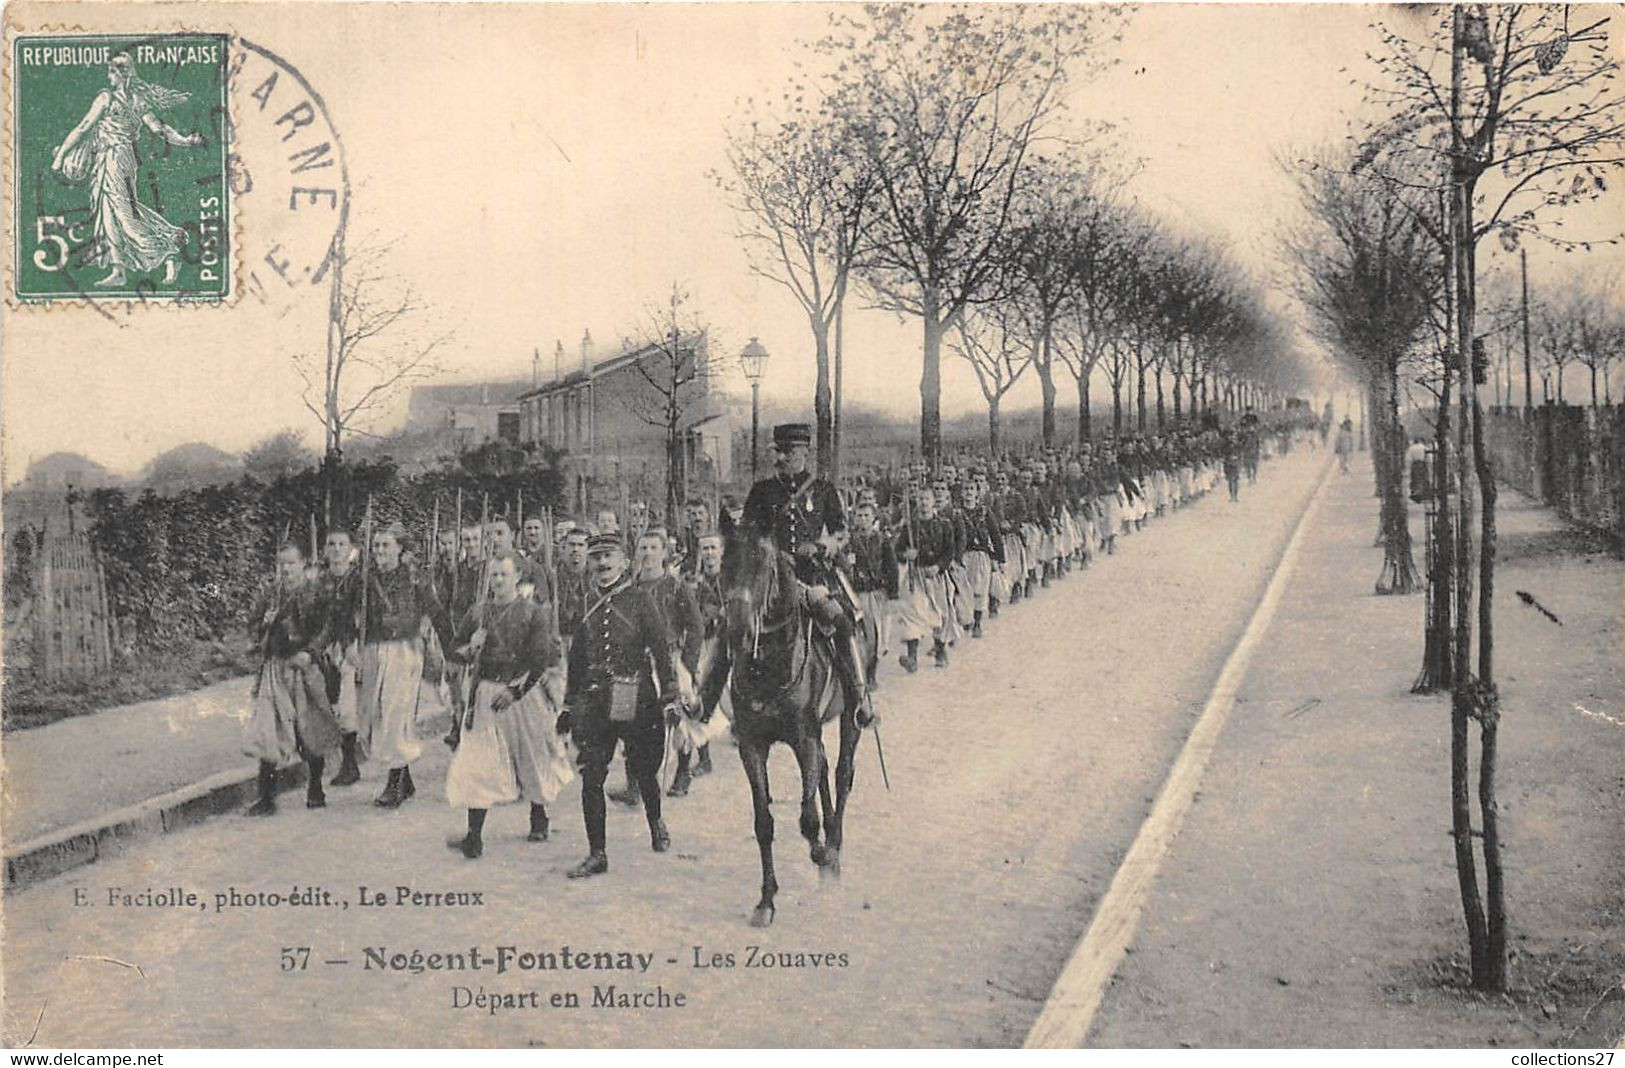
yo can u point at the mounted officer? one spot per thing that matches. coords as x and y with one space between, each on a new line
799 511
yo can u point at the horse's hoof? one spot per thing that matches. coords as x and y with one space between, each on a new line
831 868
818 854
762 916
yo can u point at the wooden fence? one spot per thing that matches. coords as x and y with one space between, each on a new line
75 633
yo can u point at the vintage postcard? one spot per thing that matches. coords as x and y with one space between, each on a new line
812 525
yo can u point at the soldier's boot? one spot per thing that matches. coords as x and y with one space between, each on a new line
407 789
315 796
910 660
1045 572
454 736
939 652
682 779
659 837
703 765
265 804
539 828
595 864
471 845
992 607
976 624
349 771
391 797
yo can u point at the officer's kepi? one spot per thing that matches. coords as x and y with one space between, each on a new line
787 436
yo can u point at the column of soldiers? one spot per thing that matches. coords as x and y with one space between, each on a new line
582 638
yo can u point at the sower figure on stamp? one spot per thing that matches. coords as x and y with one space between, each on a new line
337 592
509 750
127 234
621 688
796 510
397 602
291 718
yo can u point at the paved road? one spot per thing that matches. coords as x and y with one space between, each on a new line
1019 777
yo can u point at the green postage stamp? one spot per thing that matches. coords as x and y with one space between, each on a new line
119 159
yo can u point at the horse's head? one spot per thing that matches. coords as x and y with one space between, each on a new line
750 586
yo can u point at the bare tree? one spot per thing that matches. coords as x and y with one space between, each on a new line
994 342
676 369
947 104
1510 110
802 195
377 345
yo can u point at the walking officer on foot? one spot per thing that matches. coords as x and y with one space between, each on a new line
621 688
797 510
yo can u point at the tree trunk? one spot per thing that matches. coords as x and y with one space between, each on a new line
1046 385
1160 413
1398 565
823 411
1117 406
1083 406
1593 384
993 434
835 416
1140 387
931 381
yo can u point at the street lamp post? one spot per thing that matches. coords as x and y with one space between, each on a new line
754 361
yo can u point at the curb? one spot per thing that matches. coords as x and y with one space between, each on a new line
50 855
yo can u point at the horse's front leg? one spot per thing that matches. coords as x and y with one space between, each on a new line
845 763
753 754
810 757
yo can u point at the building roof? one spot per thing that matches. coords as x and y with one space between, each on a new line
626 357
464 393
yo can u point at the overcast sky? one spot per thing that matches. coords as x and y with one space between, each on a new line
545 170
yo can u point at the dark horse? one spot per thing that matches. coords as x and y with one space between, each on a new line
784 688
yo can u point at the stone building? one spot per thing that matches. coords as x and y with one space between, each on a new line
607 417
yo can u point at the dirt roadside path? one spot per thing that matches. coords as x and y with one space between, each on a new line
1310 899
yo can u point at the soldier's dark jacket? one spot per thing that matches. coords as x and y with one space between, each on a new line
397 603
794 509
520 643
572 589
982 533
533 569
300 625
935 544
872 562
708 596
621 636
338 595
680 613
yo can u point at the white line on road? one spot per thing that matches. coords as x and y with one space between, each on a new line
1071 1007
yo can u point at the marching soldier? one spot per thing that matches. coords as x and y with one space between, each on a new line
984 550
397 602
925 545
573 581
684 627
339 656
621 687
872 561
291 718
796 510
459 591
509 750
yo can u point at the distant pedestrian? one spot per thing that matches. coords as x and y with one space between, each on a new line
1345 444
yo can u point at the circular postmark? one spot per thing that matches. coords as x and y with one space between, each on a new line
288 173
170 168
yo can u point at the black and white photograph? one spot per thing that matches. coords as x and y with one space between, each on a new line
693 526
